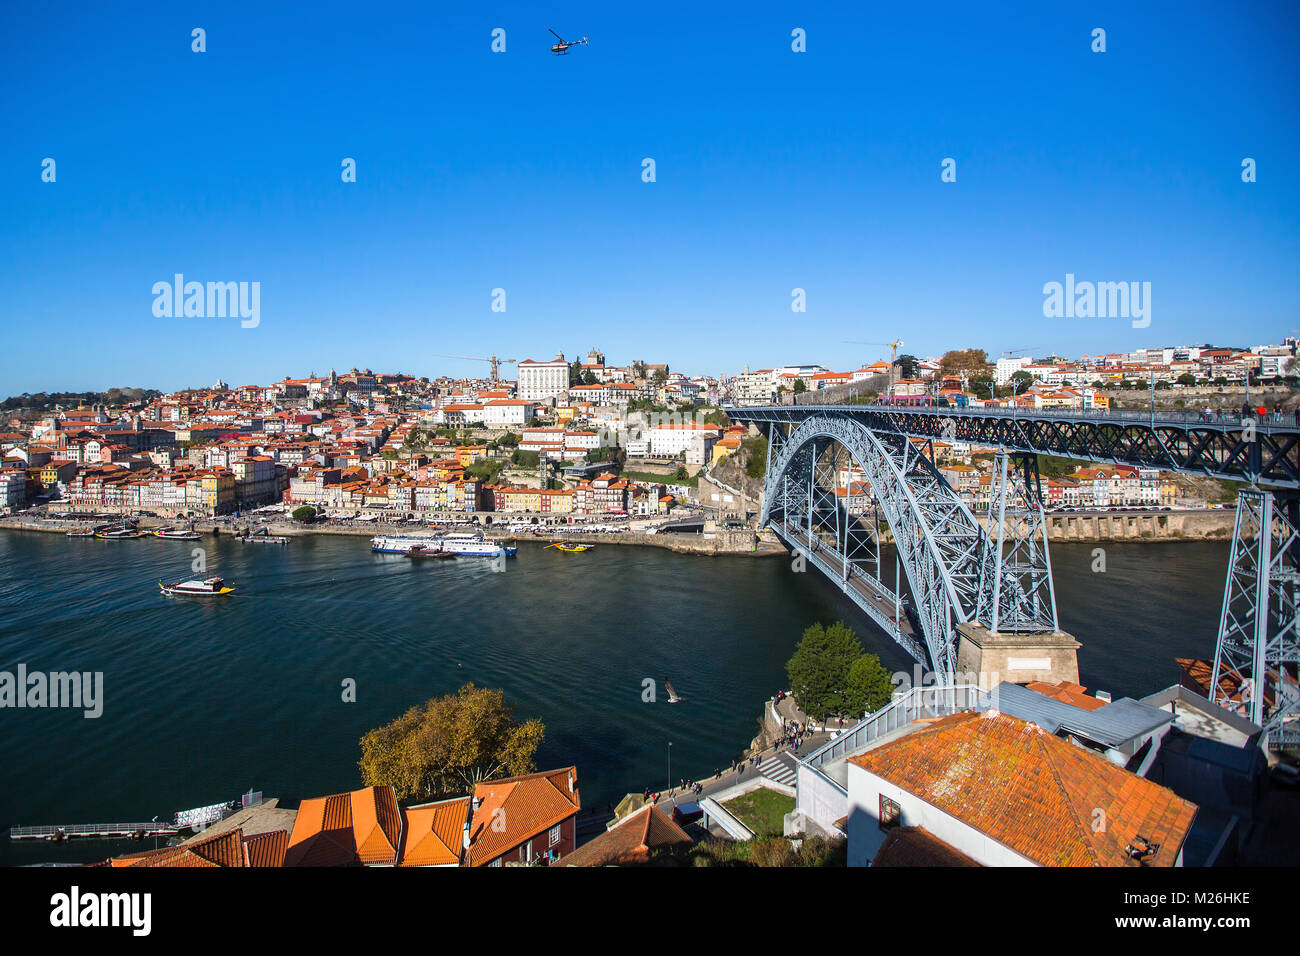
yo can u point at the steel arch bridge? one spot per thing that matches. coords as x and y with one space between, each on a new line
957 572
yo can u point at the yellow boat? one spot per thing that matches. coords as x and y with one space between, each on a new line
570 548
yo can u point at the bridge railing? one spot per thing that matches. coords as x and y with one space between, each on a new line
1181 418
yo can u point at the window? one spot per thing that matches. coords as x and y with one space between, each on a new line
555 835
496 862
891 814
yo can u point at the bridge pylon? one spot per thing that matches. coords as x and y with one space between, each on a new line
1257 655
1016 592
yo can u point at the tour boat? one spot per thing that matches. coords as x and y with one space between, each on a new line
466 544
115 534
263 539
571 548
171 534
212 587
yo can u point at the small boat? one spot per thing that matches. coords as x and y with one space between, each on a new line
115 534
570 548
263 539
419 552
86 533
172 534
672 694
212 587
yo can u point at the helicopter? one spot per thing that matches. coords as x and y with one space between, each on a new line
562 48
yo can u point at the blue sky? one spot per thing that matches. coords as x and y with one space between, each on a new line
522 171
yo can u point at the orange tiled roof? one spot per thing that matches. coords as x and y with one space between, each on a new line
346 829
631 841
223 849
528 806
1033 792
1068 692
432 833
916 846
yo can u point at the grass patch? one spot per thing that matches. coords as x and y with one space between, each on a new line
761 810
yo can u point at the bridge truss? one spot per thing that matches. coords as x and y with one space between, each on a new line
1257 657
955 571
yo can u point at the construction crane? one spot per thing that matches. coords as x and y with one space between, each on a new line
893 357
492 360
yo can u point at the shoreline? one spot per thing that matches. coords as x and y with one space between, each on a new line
718 545
1172 526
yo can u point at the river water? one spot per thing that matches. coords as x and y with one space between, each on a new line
204 700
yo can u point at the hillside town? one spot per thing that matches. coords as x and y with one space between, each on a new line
565 439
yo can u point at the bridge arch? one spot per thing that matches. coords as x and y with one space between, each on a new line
942 548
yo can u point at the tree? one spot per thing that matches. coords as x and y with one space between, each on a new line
660 376
963 360
575 373
1187 378
756 448
909 366
588 377
869 685
1022 378
819 669
680 473
800 386
450 744
306 514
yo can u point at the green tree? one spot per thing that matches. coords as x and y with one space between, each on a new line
800 386
909 366
575 373
680 473
819 669
1187 378
869 685
588 377
1022 379
450 744
660 376
756 448
306 514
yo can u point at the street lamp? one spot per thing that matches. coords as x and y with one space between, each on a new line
670 765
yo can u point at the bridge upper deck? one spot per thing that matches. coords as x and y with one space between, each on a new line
1263 450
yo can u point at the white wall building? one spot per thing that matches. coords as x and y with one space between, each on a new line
543 381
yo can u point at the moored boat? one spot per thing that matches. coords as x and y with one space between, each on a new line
570 548
211 587
115 534
464 544
172 534
419 552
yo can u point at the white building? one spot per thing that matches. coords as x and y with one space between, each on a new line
667 441
507 413
993 790
1006 367
543 381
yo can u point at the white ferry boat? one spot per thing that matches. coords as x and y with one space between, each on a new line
468 544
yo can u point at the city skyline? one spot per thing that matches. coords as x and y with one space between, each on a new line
775 171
